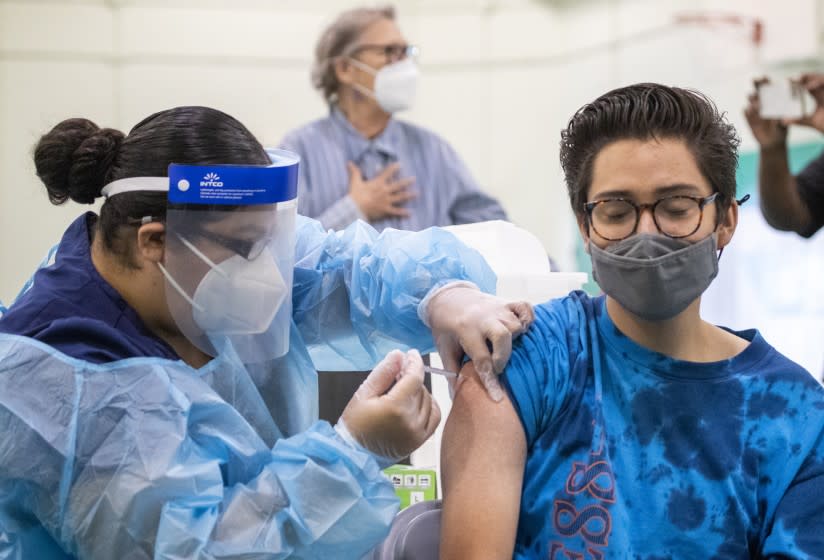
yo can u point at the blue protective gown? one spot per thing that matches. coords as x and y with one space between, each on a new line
114 448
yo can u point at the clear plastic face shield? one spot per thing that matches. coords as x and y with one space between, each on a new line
229 254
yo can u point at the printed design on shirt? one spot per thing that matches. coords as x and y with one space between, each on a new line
592 485
595 478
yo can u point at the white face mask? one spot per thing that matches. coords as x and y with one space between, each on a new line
237 296
395 84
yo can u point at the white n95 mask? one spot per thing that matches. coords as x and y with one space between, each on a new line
395 84
237 296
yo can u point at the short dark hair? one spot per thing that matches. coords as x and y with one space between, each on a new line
76 159
646 111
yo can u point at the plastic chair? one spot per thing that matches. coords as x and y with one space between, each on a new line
415 534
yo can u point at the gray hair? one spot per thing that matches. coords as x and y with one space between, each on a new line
338 40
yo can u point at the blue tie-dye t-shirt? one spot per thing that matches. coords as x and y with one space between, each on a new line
631 454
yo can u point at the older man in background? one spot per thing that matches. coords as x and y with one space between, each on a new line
360 162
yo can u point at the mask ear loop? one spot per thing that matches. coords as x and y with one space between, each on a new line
739 202
200 254
178 287
362 66
365 68
174 282
150 219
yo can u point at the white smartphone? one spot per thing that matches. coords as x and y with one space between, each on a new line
782 99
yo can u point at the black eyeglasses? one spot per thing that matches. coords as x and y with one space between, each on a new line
392 52
249 249
675 216
246 248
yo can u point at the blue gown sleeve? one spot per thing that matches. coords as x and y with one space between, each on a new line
356 292
142 456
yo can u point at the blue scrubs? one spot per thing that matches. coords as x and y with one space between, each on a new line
120 446
73 309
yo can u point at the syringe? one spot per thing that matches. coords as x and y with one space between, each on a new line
446 373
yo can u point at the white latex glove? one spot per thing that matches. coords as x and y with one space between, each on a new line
391 413
465 320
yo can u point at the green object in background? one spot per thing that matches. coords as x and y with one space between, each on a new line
412 485
746 178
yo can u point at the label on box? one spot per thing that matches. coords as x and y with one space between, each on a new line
412 484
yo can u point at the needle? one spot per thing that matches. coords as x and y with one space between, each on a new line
438 371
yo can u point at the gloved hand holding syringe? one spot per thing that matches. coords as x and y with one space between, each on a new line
392 413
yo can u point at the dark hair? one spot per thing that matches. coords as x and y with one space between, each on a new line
647 111
76 159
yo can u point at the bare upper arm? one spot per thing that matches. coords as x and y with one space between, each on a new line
482 460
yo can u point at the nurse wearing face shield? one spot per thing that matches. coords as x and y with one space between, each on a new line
230 245
157 376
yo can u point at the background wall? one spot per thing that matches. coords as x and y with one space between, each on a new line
500 78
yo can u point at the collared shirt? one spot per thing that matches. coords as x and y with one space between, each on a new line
447 192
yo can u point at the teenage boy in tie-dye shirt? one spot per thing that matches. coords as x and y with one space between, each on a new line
632 428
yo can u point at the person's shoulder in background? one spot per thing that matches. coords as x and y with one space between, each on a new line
298 139
810 181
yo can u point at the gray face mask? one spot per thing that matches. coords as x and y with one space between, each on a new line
654 276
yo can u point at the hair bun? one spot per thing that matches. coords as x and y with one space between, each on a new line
74 158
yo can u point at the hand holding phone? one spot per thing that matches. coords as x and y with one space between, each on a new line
782 99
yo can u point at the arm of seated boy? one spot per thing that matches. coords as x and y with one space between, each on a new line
482 461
